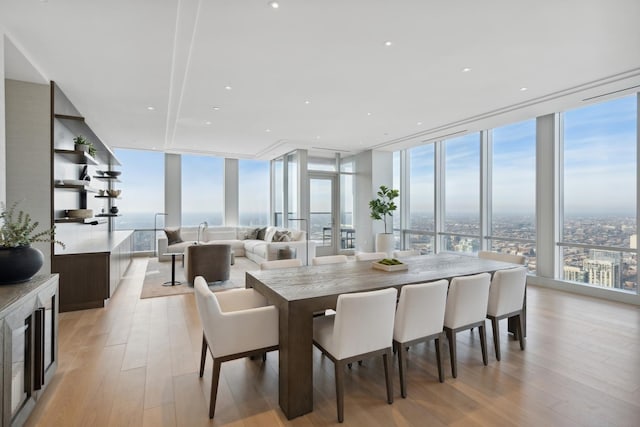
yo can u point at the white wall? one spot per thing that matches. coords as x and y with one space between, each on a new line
3 162
373 169
230 187
173 189
28 154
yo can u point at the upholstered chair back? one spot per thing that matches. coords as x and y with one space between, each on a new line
364 322
420 311
467 300
506 293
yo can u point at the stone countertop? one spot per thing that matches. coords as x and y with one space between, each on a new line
9 294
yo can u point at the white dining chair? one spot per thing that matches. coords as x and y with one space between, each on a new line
466 308
406 253
498 256
236 323
419 317
506 299
329 259
370 256
362 327
280 263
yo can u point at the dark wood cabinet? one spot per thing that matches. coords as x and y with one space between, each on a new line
29 342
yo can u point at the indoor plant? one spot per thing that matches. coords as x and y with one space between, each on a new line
81 144
382 207
18 260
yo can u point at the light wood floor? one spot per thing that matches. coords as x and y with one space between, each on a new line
136 361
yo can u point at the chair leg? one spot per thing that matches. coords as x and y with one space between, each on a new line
495 323
386 358
483 344
439 358
451 336
203 355
519 330
215 377
339 374
402 366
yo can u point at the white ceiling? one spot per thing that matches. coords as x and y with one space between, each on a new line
114 59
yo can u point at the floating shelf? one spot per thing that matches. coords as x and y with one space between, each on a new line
77 157
109 215
86 188
107 197
107 178
78 126
89 221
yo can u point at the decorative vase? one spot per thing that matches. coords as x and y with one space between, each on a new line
385 242
19 264
114 210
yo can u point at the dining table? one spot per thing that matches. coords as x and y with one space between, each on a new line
300 292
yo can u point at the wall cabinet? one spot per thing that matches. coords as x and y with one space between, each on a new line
29 342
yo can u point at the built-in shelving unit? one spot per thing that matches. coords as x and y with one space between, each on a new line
95 258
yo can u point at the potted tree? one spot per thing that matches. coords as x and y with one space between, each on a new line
381 208
18 260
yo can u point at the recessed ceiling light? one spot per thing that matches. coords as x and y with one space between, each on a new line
419 123
317 136
388 43
307 102
274 4
216 108
522 89
150 108
369 114
466 69
207 122
267 130
228 87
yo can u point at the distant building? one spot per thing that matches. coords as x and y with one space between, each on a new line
633 241
602 268
574 274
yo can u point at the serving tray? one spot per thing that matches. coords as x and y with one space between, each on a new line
384 267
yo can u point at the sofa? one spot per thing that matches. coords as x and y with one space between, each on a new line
243 240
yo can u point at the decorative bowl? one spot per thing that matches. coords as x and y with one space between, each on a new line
114 193
79 213
112 173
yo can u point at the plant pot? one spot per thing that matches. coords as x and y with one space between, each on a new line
19 264
385 242
81 147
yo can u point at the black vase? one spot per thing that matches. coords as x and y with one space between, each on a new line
19 264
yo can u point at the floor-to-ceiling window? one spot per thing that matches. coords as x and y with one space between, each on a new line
420 232
142 195
461 225
253 192
202 190
598 221
513 190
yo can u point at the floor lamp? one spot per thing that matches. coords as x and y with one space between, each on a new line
155 232
306 231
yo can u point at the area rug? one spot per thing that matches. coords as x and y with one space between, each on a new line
160 272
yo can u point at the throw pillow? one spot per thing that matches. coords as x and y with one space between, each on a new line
285 237
261 233
253 234
173 235
278 236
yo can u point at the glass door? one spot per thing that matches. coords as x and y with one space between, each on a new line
323 213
